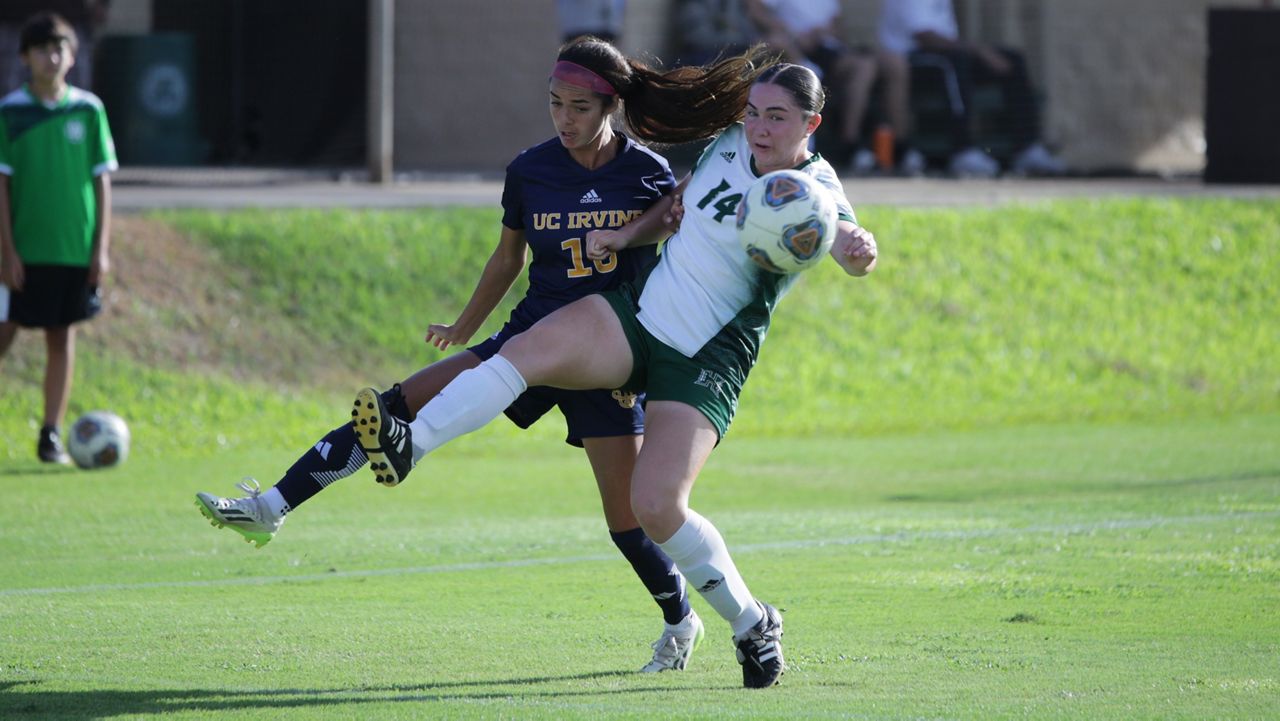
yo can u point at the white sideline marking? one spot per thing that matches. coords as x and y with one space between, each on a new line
903 536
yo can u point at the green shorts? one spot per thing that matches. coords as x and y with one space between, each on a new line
710 381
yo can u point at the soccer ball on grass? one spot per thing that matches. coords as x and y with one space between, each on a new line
787 221
98 439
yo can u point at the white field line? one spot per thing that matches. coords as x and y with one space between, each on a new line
899 537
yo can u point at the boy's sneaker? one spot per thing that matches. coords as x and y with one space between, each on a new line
249 516
760 650
384 438
49 446
672 650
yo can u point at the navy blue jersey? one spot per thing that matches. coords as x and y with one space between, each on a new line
555 201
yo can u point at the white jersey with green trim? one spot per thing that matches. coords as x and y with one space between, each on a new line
703 278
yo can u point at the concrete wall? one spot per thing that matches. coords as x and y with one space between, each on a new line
1123 80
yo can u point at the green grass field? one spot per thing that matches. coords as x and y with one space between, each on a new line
1127 571
1030 468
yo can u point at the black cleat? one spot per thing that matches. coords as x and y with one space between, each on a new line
49 446
384 438
760 650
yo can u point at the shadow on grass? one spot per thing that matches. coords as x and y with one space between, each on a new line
1087 487
33 468
108 703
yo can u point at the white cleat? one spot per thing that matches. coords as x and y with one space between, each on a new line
672 650
248 516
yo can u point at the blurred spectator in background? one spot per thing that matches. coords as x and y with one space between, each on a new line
598 18
809 32
86 18
915 32
708 29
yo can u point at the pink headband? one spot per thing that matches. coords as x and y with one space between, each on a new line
575 74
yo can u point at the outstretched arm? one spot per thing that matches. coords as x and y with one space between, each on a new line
500 272
656 223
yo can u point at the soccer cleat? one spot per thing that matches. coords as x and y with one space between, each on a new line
49 446
248 516
760 650
384 438
672 650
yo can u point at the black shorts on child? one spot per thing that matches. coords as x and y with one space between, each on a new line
52 296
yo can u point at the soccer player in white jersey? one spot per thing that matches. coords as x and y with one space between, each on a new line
687 335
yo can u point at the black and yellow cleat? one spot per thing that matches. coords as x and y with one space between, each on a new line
384 438
760 650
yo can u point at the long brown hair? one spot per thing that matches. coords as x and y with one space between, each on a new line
673 106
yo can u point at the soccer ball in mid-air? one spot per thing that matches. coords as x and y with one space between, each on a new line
98 439
786 221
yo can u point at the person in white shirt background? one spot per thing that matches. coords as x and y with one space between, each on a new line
927 31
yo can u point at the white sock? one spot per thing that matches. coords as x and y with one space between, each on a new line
470 401
275 501
699 552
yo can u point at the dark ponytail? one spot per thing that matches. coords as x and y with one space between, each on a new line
678 105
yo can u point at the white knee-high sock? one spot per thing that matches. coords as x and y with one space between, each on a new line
470 401
699 552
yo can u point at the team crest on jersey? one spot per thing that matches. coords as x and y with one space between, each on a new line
782 190
626 400
803 239
75 131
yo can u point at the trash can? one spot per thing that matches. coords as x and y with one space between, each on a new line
1242 107
147 83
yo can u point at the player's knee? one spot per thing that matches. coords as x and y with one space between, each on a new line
656 510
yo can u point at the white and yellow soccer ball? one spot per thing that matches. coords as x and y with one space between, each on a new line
787 221
98 439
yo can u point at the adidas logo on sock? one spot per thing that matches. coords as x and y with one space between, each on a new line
591 197
728 155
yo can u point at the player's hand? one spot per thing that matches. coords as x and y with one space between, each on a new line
98 267
600 243
442 336
12 272
673 217
856 251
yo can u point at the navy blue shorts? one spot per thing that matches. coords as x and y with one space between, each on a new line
52 296
588 414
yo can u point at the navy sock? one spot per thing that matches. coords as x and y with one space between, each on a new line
335 457
656 571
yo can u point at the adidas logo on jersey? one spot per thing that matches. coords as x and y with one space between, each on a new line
591 197
728 155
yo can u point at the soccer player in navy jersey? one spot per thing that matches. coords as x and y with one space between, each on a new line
587 177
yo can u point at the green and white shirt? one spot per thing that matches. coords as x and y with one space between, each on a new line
704 283
51 154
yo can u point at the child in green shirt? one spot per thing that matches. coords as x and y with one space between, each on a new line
55 210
